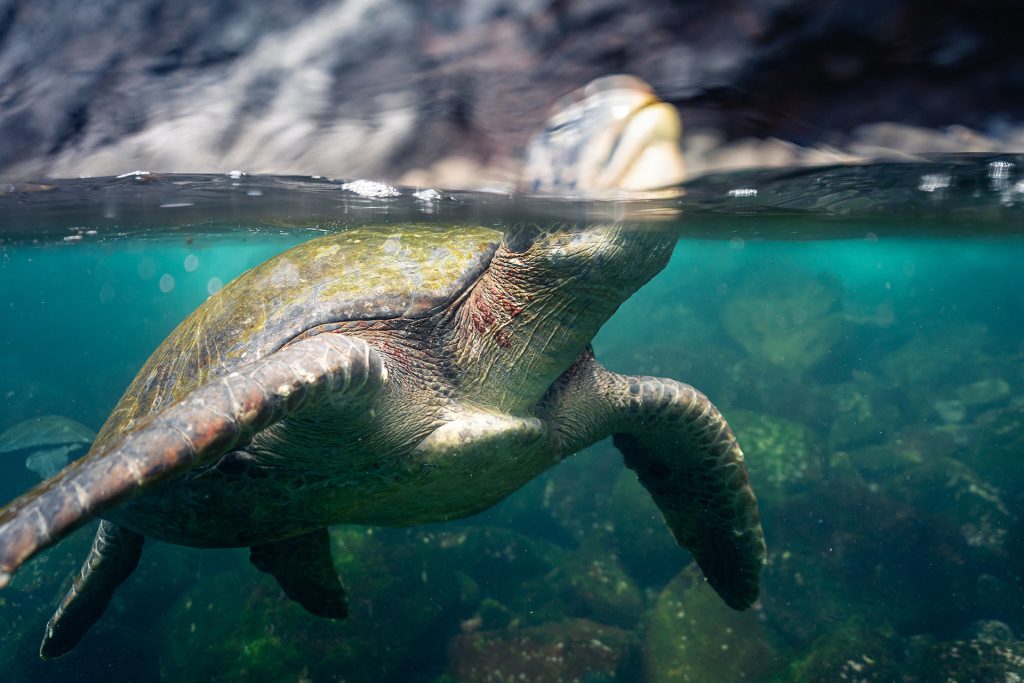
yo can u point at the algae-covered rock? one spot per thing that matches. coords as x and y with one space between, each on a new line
850 651
996 445
638 534
979 660
693 636
952 491
903 450
241 626
565 651
499 560
858 550
408 592
862 412
798 582
786 317
566 504
596 586
783 457
938 364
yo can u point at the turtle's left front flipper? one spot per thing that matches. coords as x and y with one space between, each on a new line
685 455
196 430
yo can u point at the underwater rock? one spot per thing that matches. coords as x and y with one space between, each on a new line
902 450
47 443
786 317
798 581
498 560
596 586
981 660
856 651
567 503
409 591
638 536
953 491
983 392
933 366
862 412
241 626
996 444
855 550
850 651
692 635
879 461
783 457
565 651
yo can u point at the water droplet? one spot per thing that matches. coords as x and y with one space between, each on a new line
166 283
214 285
191 263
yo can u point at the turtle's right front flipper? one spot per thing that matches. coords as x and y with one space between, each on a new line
204 425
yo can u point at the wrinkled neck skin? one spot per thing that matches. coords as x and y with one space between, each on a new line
539 304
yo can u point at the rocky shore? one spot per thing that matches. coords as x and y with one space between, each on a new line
446 91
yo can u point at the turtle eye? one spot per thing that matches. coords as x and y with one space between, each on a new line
557 128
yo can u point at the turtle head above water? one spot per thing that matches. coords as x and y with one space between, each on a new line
614 134
610 139
606 141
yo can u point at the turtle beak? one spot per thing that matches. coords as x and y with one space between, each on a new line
646 155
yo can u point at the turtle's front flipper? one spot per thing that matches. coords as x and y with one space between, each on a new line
684 454
114 555
303 568
201 427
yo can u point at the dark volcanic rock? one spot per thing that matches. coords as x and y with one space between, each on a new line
381 86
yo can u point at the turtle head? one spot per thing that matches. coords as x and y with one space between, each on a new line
613 134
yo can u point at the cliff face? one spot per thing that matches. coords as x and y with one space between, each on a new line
378 87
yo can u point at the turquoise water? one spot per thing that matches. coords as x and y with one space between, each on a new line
863 336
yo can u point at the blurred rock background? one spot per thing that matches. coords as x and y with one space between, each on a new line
447 91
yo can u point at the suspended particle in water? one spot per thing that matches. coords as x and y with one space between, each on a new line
191 263
166 283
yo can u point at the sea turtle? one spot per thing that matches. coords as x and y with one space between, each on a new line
397 375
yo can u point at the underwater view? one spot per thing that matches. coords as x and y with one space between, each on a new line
860 328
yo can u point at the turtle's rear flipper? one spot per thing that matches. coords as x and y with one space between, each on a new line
114 555
304 569
195 431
